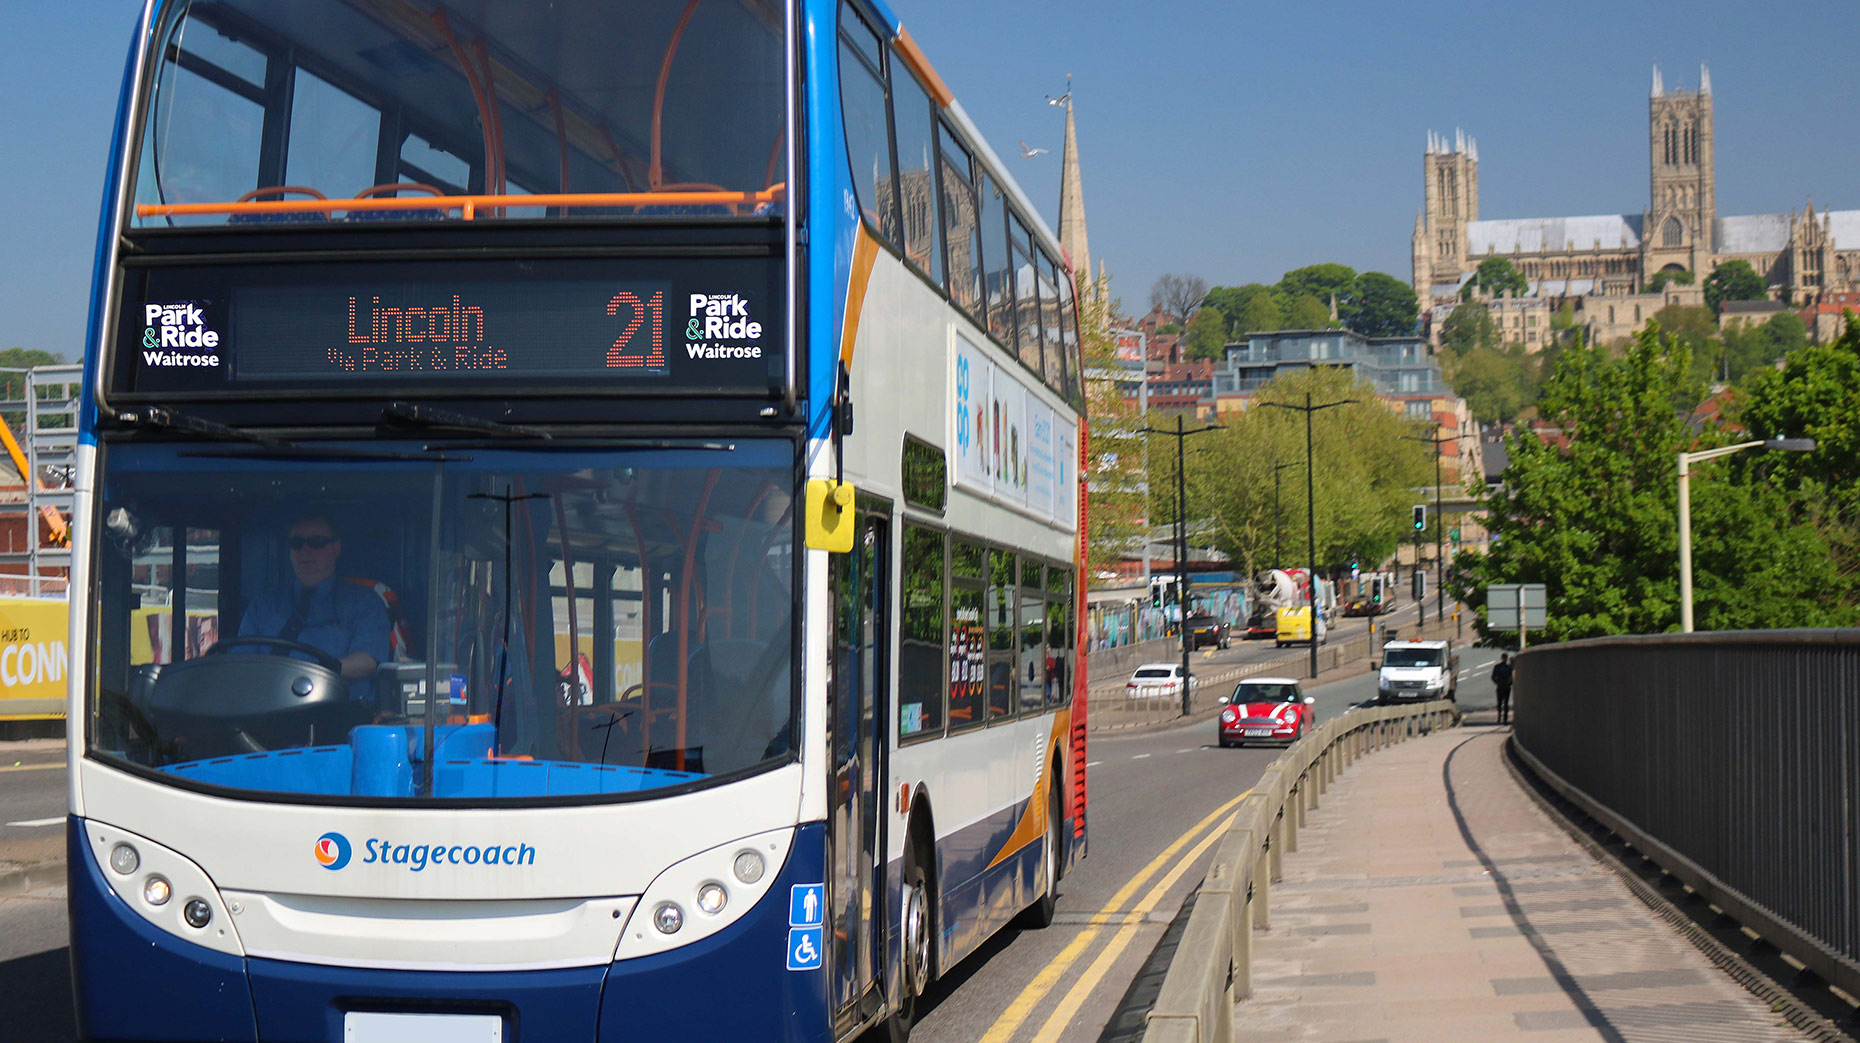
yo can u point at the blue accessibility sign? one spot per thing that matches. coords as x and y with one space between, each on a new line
807 905
804 950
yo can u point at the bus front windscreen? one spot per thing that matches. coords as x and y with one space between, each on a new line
381 621
356 111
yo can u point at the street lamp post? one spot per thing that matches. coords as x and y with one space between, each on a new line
1686 460
1311 579
1181 543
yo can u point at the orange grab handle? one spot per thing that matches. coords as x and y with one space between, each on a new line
467 204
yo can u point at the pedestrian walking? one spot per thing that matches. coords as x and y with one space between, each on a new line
1501 680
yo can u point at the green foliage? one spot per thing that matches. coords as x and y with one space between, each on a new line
1596 522
13 385
1118 520
1734 281
1748 348
1565 318
1320 281
1697 329
1495 383
1470 326
1258 314
1168 328
1207 334
1497 278
1380 305
1365 474
1673 276
1308 313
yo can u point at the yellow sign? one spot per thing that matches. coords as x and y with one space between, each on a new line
34 657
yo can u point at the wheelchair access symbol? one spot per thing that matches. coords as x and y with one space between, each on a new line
803 948
806 917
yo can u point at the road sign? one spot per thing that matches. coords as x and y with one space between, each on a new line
1454 535
1503 601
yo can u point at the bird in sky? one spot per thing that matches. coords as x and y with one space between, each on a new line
1028 152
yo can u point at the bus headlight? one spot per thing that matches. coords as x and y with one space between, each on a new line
124 859
156 890
708 892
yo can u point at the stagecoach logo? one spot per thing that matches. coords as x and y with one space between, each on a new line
720 327
176 336
332 850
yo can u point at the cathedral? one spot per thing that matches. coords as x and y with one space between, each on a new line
1602 264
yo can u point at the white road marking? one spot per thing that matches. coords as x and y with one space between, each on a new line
34 822
1190 749
1093 764
1138 756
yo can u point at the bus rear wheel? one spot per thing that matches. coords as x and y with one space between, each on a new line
914 933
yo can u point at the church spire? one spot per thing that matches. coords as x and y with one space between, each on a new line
1704 78
1658 89
1072 194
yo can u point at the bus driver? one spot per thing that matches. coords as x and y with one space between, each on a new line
345 620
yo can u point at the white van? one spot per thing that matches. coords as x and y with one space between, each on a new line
1417 671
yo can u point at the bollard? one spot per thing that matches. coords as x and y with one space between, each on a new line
1288 818
1273 844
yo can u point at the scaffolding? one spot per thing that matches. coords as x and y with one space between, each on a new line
38 427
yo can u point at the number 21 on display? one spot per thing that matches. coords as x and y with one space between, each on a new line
617 356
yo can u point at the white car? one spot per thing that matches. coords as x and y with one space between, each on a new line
1413 671
1158 681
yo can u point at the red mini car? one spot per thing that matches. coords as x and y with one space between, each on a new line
1266 710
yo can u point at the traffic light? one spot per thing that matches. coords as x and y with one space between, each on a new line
1420 583
1420 517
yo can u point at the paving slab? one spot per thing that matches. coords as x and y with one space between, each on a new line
1430 899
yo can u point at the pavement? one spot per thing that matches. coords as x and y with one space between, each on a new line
1430 899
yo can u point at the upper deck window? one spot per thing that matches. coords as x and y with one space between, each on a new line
372 110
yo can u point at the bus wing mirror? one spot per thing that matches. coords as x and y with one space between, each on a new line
830 516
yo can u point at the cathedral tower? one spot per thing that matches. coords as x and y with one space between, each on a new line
1450 172
1681 221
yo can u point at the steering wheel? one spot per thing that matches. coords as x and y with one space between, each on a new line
322 658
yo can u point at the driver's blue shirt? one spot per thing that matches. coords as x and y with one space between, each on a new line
341 618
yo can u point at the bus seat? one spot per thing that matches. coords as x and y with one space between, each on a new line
400 637
393 189
277 192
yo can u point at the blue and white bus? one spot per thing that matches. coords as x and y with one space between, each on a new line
578 529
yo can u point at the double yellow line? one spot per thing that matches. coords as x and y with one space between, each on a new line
1127 924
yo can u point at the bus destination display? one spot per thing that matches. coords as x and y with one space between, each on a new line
711 323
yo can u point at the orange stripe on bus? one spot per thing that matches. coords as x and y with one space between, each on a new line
772 194
865 255
914 57
1032 824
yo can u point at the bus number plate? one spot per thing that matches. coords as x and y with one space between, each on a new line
362 1027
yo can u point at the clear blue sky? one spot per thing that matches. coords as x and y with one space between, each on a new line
1231 141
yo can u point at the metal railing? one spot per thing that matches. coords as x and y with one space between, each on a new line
1212 968
1731 759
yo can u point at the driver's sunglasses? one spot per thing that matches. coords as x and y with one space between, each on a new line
312 542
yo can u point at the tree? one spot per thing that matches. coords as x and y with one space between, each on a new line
1321 281
1237 303
1595 521
1495 384
1365 474
13 385
1749 348
1259 314
1308 313
1207 334
1117 470
1381 305
1496 277
1734 281
1674 276
1697 329
1470 326
1178 295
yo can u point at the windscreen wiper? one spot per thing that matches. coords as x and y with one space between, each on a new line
186 423
397 417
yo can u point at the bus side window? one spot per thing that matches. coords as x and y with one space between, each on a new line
868 134
962 238
1002 623
917 193
923 672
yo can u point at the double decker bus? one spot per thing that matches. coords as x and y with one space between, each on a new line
577 530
